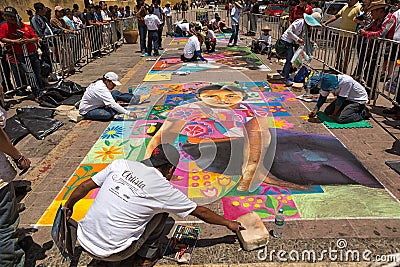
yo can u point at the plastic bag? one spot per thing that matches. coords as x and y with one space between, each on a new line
15 129
300 57
301 75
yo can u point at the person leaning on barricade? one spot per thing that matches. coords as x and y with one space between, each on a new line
22 53
99 100
58 21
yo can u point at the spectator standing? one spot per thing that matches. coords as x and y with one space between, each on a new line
11 254
141 12
128 12
346 41
22 41
105 14
58 22
77 20
153 23
235 16
69 19
91 18
79 14
99 100
184 7
254 11
6 78
160 14
315 6
141 204
298 11
168 16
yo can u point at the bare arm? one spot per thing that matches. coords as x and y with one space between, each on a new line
331 19
82 190
7 148
166 134
211 217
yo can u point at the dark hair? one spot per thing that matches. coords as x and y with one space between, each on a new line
164 169
75 6
37 6
151 10
315 2
101 2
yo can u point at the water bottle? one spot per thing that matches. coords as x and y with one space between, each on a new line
279 223
130 90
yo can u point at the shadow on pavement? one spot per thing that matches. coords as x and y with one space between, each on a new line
33 251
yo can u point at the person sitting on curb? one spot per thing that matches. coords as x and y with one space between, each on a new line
127 219
263 44
99 100
211 39
192 48
349 106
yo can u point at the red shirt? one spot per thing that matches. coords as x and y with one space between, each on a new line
298 12
382 29
9 31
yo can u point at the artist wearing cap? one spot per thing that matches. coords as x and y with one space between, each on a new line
235 17
21 36
285 45
349 106
192 49
128 216
265 41
210 39
99 100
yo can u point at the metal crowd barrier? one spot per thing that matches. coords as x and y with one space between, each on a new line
63 53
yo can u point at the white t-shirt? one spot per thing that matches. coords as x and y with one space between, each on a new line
292 34
167 11
97 95
184 26
350 89
104 15
7 172
130 195
266 38
211 35
191 47
152 22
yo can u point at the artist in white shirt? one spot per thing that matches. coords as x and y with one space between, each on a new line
153 23
99 102
211 39
292 36
192 51
349 106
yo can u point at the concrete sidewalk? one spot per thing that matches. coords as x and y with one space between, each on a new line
56 158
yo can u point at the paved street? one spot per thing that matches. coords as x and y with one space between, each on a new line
57 157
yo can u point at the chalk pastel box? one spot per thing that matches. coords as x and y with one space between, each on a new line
180 246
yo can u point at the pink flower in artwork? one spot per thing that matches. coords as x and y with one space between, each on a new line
210 192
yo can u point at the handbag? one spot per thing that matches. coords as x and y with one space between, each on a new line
282 48
64 234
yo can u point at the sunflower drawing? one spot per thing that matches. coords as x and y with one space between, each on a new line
108 152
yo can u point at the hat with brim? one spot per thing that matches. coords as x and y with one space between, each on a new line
376 5
266 28
163 154
238 4
58 8
313 20
113 77
329 82
10 11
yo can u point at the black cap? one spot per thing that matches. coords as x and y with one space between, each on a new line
163 154
10 11
232 88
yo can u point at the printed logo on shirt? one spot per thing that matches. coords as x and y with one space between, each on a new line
132 182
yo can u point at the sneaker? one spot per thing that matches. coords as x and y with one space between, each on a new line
156 54
288 83
230 45
366 114
145 55
160 48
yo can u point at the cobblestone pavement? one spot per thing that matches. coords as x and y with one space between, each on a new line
56 157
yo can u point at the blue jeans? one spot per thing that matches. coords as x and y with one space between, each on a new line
34 74
152 40
348 112
288 64
142 36
107 113
361 44
10 253
235 34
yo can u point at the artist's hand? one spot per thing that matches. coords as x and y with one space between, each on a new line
24 164
333 116
300 41
235 226
68 212
132 114
313 113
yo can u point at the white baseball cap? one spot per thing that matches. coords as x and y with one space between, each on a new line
112 76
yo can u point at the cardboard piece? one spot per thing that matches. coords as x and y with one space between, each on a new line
255 235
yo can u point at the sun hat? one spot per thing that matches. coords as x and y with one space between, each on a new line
112 76
329 82
266 28
313 20
205 28
163 154
376 5
237 3
58 8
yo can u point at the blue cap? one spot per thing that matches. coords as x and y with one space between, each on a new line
329 82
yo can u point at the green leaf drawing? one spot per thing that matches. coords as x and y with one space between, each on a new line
87 168
123 143
271 203
107 143
93 174
263 213
289 211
